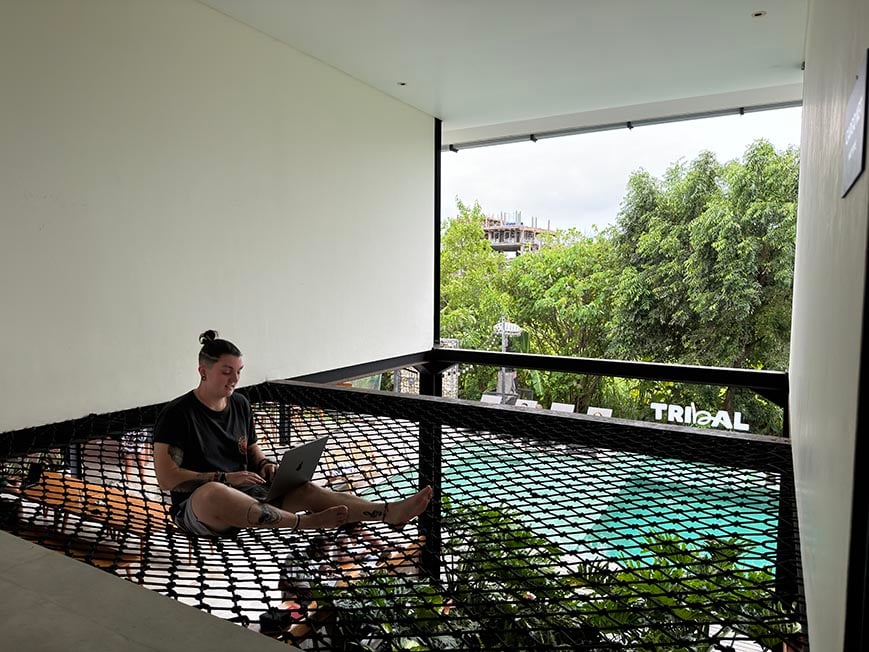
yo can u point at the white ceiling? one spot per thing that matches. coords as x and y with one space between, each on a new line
492 67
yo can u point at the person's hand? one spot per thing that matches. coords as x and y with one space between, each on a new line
237 478
268 471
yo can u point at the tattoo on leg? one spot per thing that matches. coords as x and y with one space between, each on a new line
376 513
262 514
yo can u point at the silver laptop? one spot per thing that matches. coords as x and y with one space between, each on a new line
297 467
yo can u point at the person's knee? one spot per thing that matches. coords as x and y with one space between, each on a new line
310 487
303 490
209 498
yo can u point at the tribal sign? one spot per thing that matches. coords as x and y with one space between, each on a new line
691 416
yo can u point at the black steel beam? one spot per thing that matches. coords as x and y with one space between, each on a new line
770 384
773 384
436 310
364 369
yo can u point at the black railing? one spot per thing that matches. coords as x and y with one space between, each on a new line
772 385
769 384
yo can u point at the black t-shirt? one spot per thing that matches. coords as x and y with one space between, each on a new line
209 440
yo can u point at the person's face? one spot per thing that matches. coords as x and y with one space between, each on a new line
221 377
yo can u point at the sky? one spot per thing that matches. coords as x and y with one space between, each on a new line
579 181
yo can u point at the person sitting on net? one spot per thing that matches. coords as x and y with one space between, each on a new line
206 455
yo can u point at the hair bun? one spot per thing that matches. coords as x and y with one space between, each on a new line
207 336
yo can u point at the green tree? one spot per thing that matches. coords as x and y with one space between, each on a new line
561 296
652 313
707 269
707 259
471 303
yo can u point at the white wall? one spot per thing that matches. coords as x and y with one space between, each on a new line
827 319
164 170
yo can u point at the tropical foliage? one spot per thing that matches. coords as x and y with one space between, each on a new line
507 588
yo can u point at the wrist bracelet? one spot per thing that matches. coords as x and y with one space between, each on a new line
221 477
262 463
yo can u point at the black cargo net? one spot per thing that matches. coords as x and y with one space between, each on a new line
548 531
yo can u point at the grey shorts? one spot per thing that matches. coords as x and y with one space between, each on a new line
187 521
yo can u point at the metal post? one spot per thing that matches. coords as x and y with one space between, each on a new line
73 460
436 308
503 389
787 562
284 423
430 461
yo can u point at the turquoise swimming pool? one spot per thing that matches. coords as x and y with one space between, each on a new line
602 504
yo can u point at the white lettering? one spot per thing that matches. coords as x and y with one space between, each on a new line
689 414
703 418
737 422
722 419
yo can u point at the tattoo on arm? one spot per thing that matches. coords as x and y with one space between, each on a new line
189 486
263 514
176 454
374 513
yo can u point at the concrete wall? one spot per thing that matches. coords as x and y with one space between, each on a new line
828 311
166 170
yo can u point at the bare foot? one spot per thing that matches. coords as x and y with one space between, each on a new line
327 519
400 512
